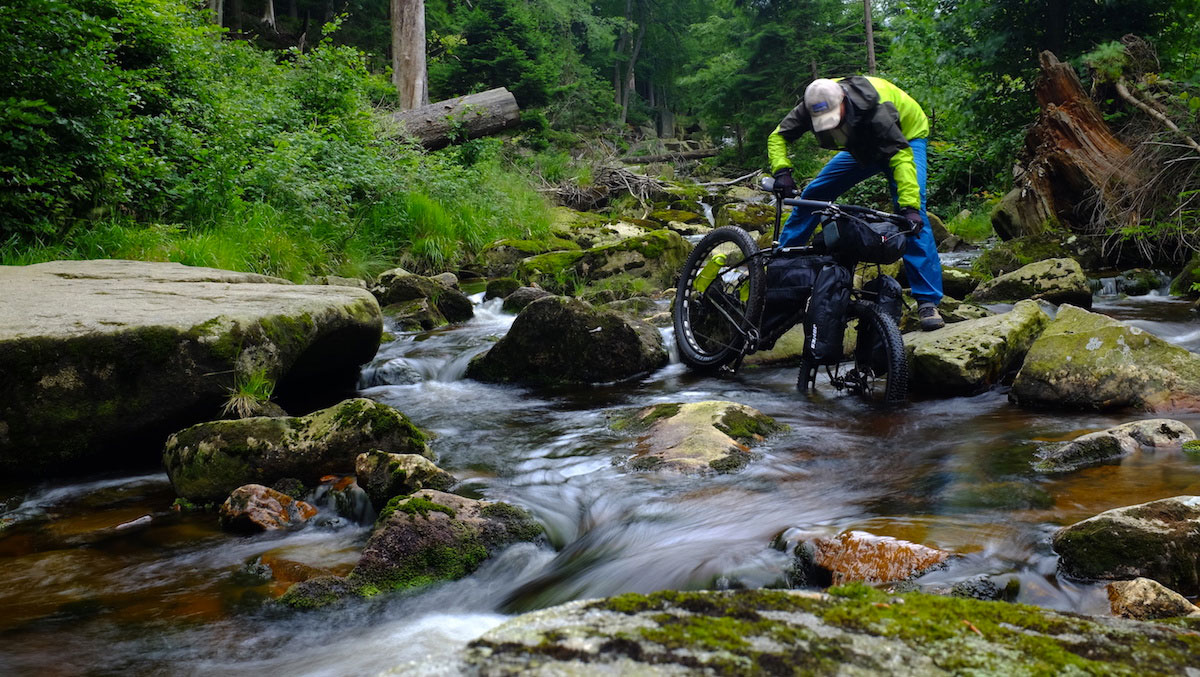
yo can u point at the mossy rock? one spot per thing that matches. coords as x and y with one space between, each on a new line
399 286
753 217
1158 540
123 353
383 475
696 437
852 630
1010 255
958 283
655 257
1090 361
1185 283
208 461
1056 281
556 340
967 357
501 287
415 315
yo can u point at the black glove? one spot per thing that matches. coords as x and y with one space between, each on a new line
914 217
785 185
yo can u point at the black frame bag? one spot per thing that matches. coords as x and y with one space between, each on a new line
790 280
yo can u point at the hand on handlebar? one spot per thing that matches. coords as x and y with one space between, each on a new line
914 218
785 185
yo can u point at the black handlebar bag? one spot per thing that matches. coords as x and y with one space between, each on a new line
854 240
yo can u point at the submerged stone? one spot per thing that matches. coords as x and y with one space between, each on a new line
698 436
863 557
1114 444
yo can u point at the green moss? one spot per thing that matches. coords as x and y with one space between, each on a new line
742 426
641 421
732 462
420 505
1192 446
519 525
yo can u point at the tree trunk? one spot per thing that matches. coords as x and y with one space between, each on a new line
1071 163
630 77
218 10
466 117
269 14
870 37
408 53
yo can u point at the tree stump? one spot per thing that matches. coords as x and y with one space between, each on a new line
1071 163
466 117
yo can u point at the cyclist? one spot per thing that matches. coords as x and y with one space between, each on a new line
879 129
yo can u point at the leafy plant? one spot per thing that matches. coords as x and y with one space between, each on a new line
250 391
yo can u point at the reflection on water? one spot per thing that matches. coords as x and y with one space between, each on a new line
104 576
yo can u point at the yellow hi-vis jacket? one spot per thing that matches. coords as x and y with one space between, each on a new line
881 119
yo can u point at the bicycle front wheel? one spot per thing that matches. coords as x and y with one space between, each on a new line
879 359
719 299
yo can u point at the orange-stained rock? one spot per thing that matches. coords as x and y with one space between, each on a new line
254 507
860 556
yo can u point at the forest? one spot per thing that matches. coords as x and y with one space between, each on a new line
255 135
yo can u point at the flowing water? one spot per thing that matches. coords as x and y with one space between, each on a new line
102 576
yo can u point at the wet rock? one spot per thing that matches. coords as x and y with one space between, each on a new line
696 437
347 501
258 508
1184 284
970 356
753 217
416 315
1158 540
1139 281
638 306
208 461
861 556
651 259
523 296
383 475
501 257
561 340
398 286
958 284
1144 599
1055 281
1011 254
500 288
666 216
788 350
1085 360
101 360
854 631
1114 444
421 539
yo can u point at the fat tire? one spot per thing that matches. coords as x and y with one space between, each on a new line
806 377
692 351
883 326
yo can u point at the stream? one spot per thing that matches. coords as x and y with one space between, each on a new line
101 576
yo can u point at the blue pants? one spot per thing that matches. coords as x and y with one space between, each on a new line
922 265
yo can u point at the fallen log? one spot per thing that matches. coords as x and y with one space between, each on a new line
669 157
456 120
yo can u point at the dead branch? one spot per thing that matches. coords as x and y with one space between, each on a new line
733 181
1123 91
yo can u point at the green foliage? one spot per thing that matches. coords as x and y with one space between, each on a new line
249 392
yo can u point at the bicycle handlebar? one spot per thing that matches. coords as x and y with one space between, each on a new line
833 209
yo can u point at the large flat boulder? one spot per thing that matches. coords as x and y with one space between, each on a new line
969 356
853 631
101 360
1084 360
652 259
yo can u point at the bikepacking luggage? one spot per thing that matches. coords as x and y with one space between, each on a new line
789 280
871 349
854 240
824 325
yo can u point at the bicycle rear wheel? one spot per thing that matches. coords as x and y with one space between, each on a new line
719 299
881 368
